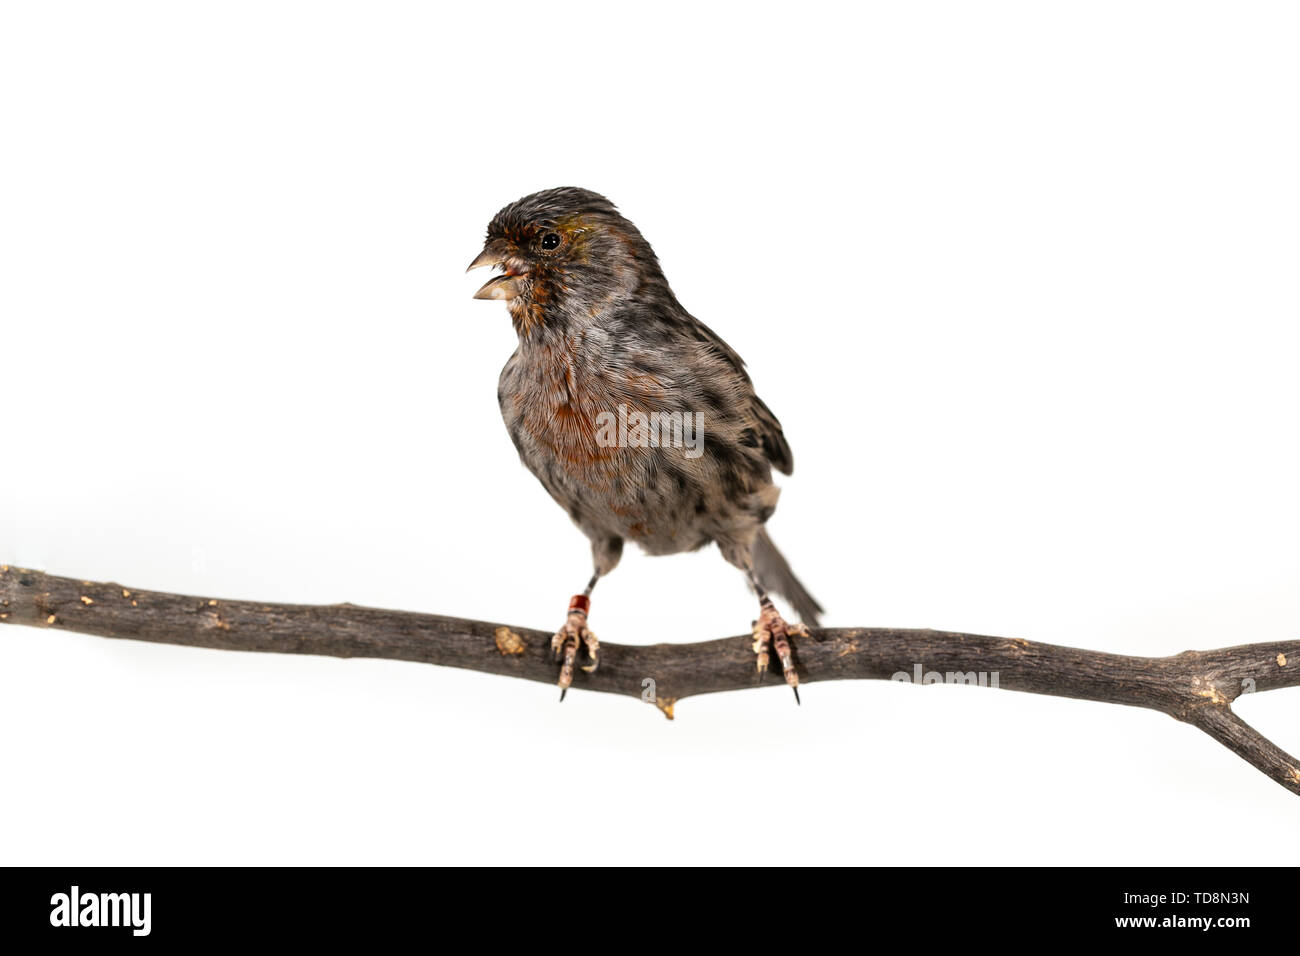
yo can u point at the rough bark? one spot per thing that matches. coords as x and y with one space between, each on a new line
1197 687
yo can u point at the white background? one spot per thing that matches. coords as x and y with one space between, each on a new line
1019 279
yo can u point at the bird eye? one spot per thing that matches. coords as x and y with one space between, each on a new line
551 241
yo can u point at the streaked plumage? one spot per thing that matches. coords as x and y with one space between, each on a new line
600 330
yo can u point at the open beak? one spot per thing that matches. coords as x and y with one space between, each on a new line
506 286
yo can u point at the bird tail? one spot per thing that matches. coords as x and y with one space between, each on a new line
774 572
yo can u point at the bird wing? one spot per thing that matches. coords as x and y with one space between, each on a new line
767 432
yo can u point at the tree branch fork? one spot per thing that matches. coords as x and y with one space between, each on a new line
1196 687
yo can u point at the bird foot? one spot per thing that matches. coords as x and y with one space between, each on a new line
773 633
570 637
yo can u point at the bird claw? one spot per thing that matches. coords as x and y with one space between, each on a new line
761 643
566 642
772 635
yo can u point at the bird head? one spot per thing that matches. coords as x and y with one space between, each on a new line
565 255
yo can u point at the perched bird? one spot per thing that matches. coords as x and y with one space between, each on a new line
636 417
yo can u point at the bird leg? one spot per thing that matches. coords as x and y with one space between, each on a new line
772 633
573 634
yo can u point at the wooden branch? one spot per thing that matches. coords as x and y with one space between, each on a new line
1197 687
